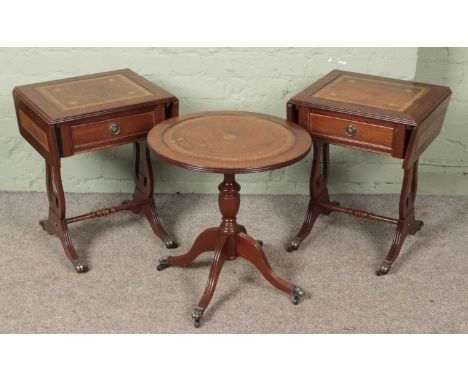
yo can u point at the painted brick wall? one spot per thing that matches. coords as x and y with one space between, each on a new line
252 79
445 162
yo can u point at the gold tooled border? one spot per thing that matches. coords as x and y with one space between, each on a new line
286 145
45 92
319 93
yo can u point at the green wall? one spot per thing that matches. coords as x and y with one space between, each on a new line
252 79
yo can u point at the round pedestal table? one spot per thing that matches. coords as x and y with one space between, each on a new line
229 143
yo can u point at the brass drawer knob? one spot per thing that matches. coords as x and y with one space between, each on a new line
350 130
114 129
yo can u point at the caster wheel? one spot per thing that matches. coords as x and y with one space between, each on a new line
80 267
384 268
297 294
197 314
260 243
170 244
163 263
293 245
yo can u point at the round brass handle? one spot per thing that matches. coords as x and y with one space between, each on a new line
350 130
114 129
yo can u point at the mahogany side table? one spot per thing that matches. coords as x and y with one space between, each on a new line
229 143
80 114
370 113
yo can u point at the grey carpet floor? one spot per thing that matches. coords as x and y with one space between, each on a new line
426 291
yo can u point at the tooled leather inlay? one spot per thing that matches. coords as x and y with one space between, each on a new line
381 94
229 138
92 92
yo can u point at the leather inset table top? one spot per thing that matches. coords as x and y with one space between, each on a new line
381 94
72 99
92 92
381 98
233 141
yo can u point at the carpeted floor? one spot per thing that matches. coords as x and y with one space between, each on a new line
426 291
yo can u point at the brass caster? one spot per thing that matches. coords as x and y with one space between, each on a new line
294 244
164 263
197 314
79 266
384 268
260 243
297 294
170 244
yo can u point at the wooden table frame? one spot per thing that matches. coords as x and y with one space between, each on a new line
201 141
228 242
65 117
320 203
410 138
141 202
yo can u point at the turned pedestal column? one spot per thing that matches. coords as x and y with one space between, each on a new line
228 241
229 143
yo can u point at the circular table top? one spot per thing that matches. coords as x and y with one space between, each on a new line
229 142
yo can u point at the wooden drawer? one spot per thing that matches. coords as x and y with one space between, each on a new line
353 133
110 132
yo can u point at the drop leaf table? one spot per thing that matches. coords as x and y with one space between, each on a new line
65 117
377 114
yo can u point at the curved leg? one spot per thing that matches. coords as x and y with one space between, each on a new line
398 239
318 193
144 190
149 210
313 212
244 230
407 224
59 228
55 223
229 241
216 265
249 249
205 242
